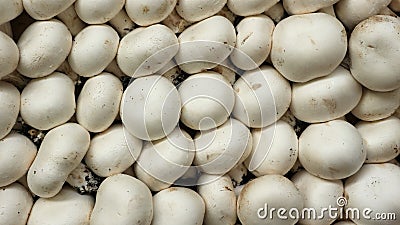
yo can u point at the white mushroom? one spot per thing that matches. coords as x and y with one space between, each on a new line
331 150
99 102
188 207
352 12
9 107
250 7
67 207
325 98
374 190
221 149
262 97
205 44
307 6
61 151
43 46
381 139
17 153
253 42
93 49
44 10
112 151
41 105
301 52
260 195
377 105
219 198
9 55
374 52
275 149
150 107
162 162
98 11
207 100
318 194
124 200
15 204
148 12
144 51
195 10
10 9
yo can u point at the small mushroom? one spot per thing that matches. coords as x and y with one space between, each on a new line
16 203
98 11
148 12
9 107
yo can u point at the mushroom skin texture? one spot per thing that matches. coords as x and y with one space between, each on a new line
17 153
99 102
150 107
43 47
144 51
207 100
194 10
307 6
377 105
9 55
16 203
112 151
148 12
93 50
261 194
374 187
189 207
44 10
10 9
219 150
374 54
9 107
275 149
331 150
253 42
122 199
41 107
98 11
164 161
205 44
61 151
262 97
312 188
381 139
219 199
314 53
352 12
63 208
250 7
325 98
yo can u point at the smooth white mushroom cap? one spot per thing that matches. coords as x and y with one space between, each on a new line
375 105
325 98
301 52
148 12
374 53
10 102
331 150
98 11
9 55
262 97
374 187
250 7
10 9
16 203
150 107
48 101
274 190
307 6
44 10
381 139
194 10
207 100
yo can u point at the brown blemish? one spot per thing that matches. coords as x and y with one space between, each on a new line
247 37
256 86
330 104
145 10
